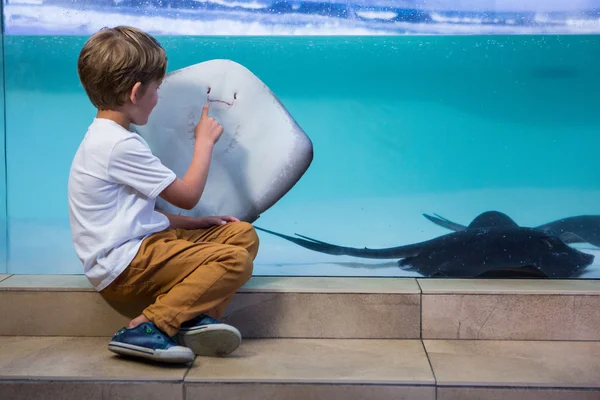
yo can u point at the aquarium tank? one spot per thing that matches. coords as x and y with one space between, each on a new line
450 138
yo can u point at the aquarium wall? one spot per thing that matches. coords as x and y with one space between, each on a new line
3 210
423 115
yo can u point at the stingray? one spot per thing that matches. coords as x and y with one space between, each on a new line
260 156
491 246
577 229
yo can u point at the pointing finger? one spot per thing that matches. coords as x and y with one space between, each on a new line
205 110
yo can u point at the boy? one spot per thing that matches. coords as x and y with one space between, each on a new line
190 267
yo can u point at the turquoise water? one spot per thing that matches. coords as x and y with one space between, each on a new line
400 125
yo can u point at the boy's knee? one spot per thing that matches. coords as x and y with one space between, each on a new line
243 227
247 237
241 263
247 268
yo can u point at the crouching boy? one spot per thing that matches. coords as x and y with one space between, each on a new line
190 267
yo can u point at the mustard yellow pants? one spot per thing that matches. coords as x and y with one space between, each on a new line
188 272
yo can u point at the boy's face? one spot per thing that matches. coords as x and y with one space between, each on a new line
143 102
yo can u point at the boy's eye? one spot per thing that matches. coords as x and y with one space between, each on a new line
208 91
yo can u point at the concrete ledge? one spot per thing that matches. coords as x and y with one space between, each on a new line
332 307
510 309
284 284
562 287
66 305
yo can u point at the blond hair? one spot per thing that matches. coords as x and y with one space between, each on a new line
113 60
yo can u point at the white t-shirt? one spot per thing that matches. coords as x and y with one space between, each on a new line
113 185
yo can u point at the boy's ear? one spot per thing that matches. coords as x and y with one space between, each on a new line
135 92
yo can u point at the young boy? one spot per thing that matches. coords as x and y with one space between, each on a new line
190 267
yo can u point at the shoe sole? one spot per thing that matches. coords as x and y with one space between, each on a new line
172 355
216 340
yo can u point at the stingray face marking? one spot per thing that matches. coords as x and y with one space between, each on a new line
221 97
223 91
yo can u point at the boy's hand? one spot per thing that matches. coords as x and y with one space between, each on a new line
207 128
185 222
207 222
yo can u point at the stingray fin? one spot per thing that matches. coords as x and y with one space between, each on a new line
488 219
321 247
327 248
576 229
570 237
444 223
492 219
424 266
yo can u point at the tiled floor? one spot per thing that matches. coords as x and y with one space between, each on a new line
306 368
82 358
464 393
320 361
513 363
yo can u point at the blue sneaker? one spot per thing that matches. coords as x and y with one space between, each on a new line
207 336
147 341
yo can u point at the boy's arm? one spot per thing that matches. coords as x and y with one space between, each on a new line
185 193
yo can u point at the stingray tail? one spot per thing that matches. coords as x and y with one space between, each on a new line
445 223
327 248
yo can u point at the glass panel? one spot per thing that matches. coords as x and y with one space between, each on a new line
439 107
47 114
3 218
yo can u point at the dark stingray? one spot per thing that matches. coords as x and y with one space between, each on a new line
578 229
491 246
